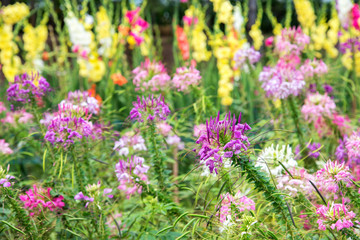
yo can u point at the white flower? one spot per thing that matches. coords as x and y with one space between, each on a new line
238 19
270 158
344 7
78 34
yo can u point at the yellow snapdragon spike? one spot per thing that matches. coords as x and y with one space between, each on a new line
14 13
305 13
227 101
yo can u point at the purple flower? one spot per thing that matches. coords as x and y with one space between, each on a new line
79 99
313 149
328 89
221 140
149 109
246 57
27 87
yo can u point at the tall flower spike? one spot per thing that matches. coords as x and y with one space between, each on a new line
221 140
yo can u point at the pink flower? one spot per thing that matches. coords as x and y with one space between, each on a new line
190 20
313 68
4 147
130 143
175 141
355 16
80 196
164 128
317 105
291 40
199 130
133 14
20 116
2 107
299 184
184 78
39 199
352 145
269 41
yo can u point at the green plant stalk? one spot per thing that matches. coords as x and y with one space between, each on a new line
20 213
79 177
158 161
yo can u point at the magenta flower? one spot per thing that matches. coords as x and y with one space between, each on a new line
246 57
291 40
4 148
129 172
5 182
151 76
81 197
221 140
28 87
130 143
69 126
335 216
149 109
184 78
349 149
79 99
37 200
95 195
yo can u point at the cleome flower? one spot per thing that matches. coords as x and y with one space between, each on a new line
221 140
79 99
130 143
246 57
129 172
185 77
95 195
335 216
4 148
5 179
149 109
38 200
317 105
27 88
313 68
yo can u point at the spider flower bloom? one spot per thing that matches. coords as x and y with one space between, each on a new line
2 107
221 140
130 143
281 81
149 109
291 40
334 216
95 195
5 178
352 145
298 183
69 126
129 172
270 157
39 199
246 57
232 206
164 128
27 87
16 117
184 78
79 99
4 148
317 105
151 76
329 176
313 68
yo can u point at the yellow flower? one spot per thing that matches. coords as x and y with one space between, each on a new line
256 35
11 70
277 103
305 13
346 60
225 13
97 70
227 101
12 14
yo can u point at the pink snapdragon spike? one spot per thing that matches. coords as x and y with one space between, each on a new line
313 68
291 40
38 199
355 16
4 148
16 117
137 25
79 99
221 140
298 183
151 76
69 126
190 20
246 57
185 78
335 216
233 205
27 87
150 109
281 81
329 177
130 143
129 172
2 107
317 105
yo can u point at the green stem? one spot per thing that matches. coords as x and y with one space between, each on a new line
158 161
79 179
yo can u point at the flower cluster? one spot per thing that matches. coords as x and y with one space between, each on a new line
317 106
329 177
130 143
334 216
28 87
298 183
137 25
2 107
129 172
68 126
151 76
79 99
4 147
271 157
16 117
183 43
349 149
246 57
184 78
221 140
231 207
149 109
313 150
94 191
313 68
281 81
5 178
291 41
38 199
